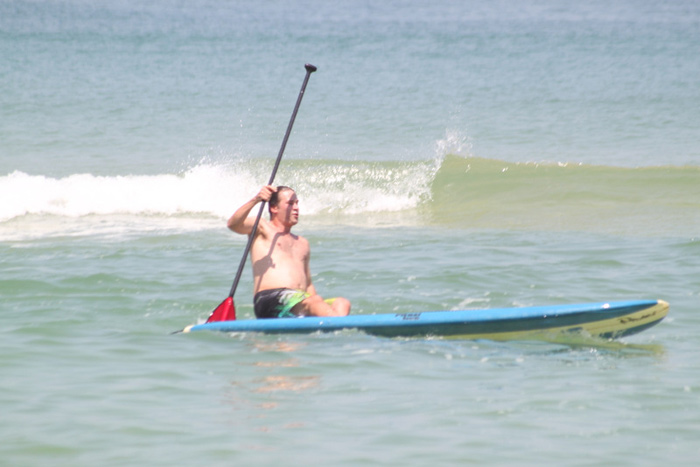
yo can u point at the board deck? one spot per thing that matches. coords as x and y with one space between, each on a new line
604 319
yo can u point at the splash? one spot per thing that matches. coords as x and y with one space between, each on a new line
455 143
452 188
204 195
199 190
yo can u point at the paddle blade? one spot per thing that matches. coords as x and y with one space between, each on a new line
226 311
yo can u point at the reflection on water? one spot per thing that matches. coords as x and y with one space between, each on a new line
288 383
278 346
622 348
273 383
262 394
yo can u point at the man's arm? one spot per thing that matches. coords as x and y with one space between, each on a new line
310 289
239 222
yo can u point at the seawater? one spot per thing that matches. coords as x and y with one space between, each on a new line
448 155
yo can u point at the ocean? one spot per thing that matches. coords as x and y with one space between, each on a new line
447 155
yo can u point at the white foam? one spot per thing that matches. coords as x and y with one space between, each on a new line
364 188
202 195
203 189
456 143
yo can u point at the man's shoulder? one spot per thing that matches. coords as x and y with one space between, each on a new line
300 241
264 228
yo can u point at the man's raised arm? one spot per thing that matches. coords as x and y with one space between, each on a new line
239 222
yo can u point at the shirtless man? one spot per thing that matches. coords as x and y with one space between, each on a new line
281 275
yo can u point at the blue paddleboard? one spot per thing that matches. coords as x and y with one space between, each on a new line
605 319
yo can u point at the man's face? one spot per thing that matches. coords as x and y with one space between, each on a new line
287 210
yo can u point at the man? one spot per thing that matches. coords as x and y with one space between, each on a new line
281 276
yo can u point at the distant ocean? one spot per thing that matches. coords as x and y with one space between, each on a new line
447 155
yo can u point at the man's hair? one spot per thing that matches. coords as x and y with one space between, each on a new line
275 198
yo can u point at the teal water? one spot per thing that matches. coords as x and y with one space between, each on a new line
448 155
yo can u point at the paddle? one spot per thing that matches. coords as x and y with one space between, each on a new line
226 311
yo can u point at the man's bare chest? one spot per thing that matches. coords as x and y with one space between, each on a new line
288 246
283 248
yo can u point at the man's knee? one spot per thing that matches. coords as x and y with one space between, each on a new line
342 305
316 306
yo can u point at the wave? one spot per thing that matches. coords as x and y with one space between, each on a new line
217 189
202 196
451 190
487 193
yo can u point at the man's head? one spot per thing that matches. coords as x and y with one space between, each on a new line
284 205
275 198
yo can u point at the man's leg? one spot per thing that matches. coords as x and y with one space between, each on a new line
316 306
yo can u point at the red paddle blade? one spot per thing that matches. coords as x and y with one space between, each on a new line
224 312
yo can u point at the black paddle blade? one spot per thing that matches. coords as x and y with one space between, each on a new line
226 311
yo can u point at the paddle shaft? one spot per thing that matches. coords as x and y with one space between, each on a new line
309 69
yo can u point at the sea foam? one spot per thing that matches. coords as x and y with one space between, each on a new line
207 193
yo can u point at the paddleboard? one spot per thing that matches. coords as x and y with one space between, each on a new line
604 320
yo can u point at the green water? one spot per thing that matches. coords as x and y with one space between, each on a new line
91 374
496 194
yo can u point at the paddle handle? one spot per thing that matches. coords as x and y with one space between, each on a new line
309 69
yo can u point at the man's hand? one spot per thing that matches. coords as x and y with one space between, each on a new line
239 221
265 193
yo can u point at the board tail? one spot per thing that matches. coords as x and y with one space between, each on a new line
226 311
